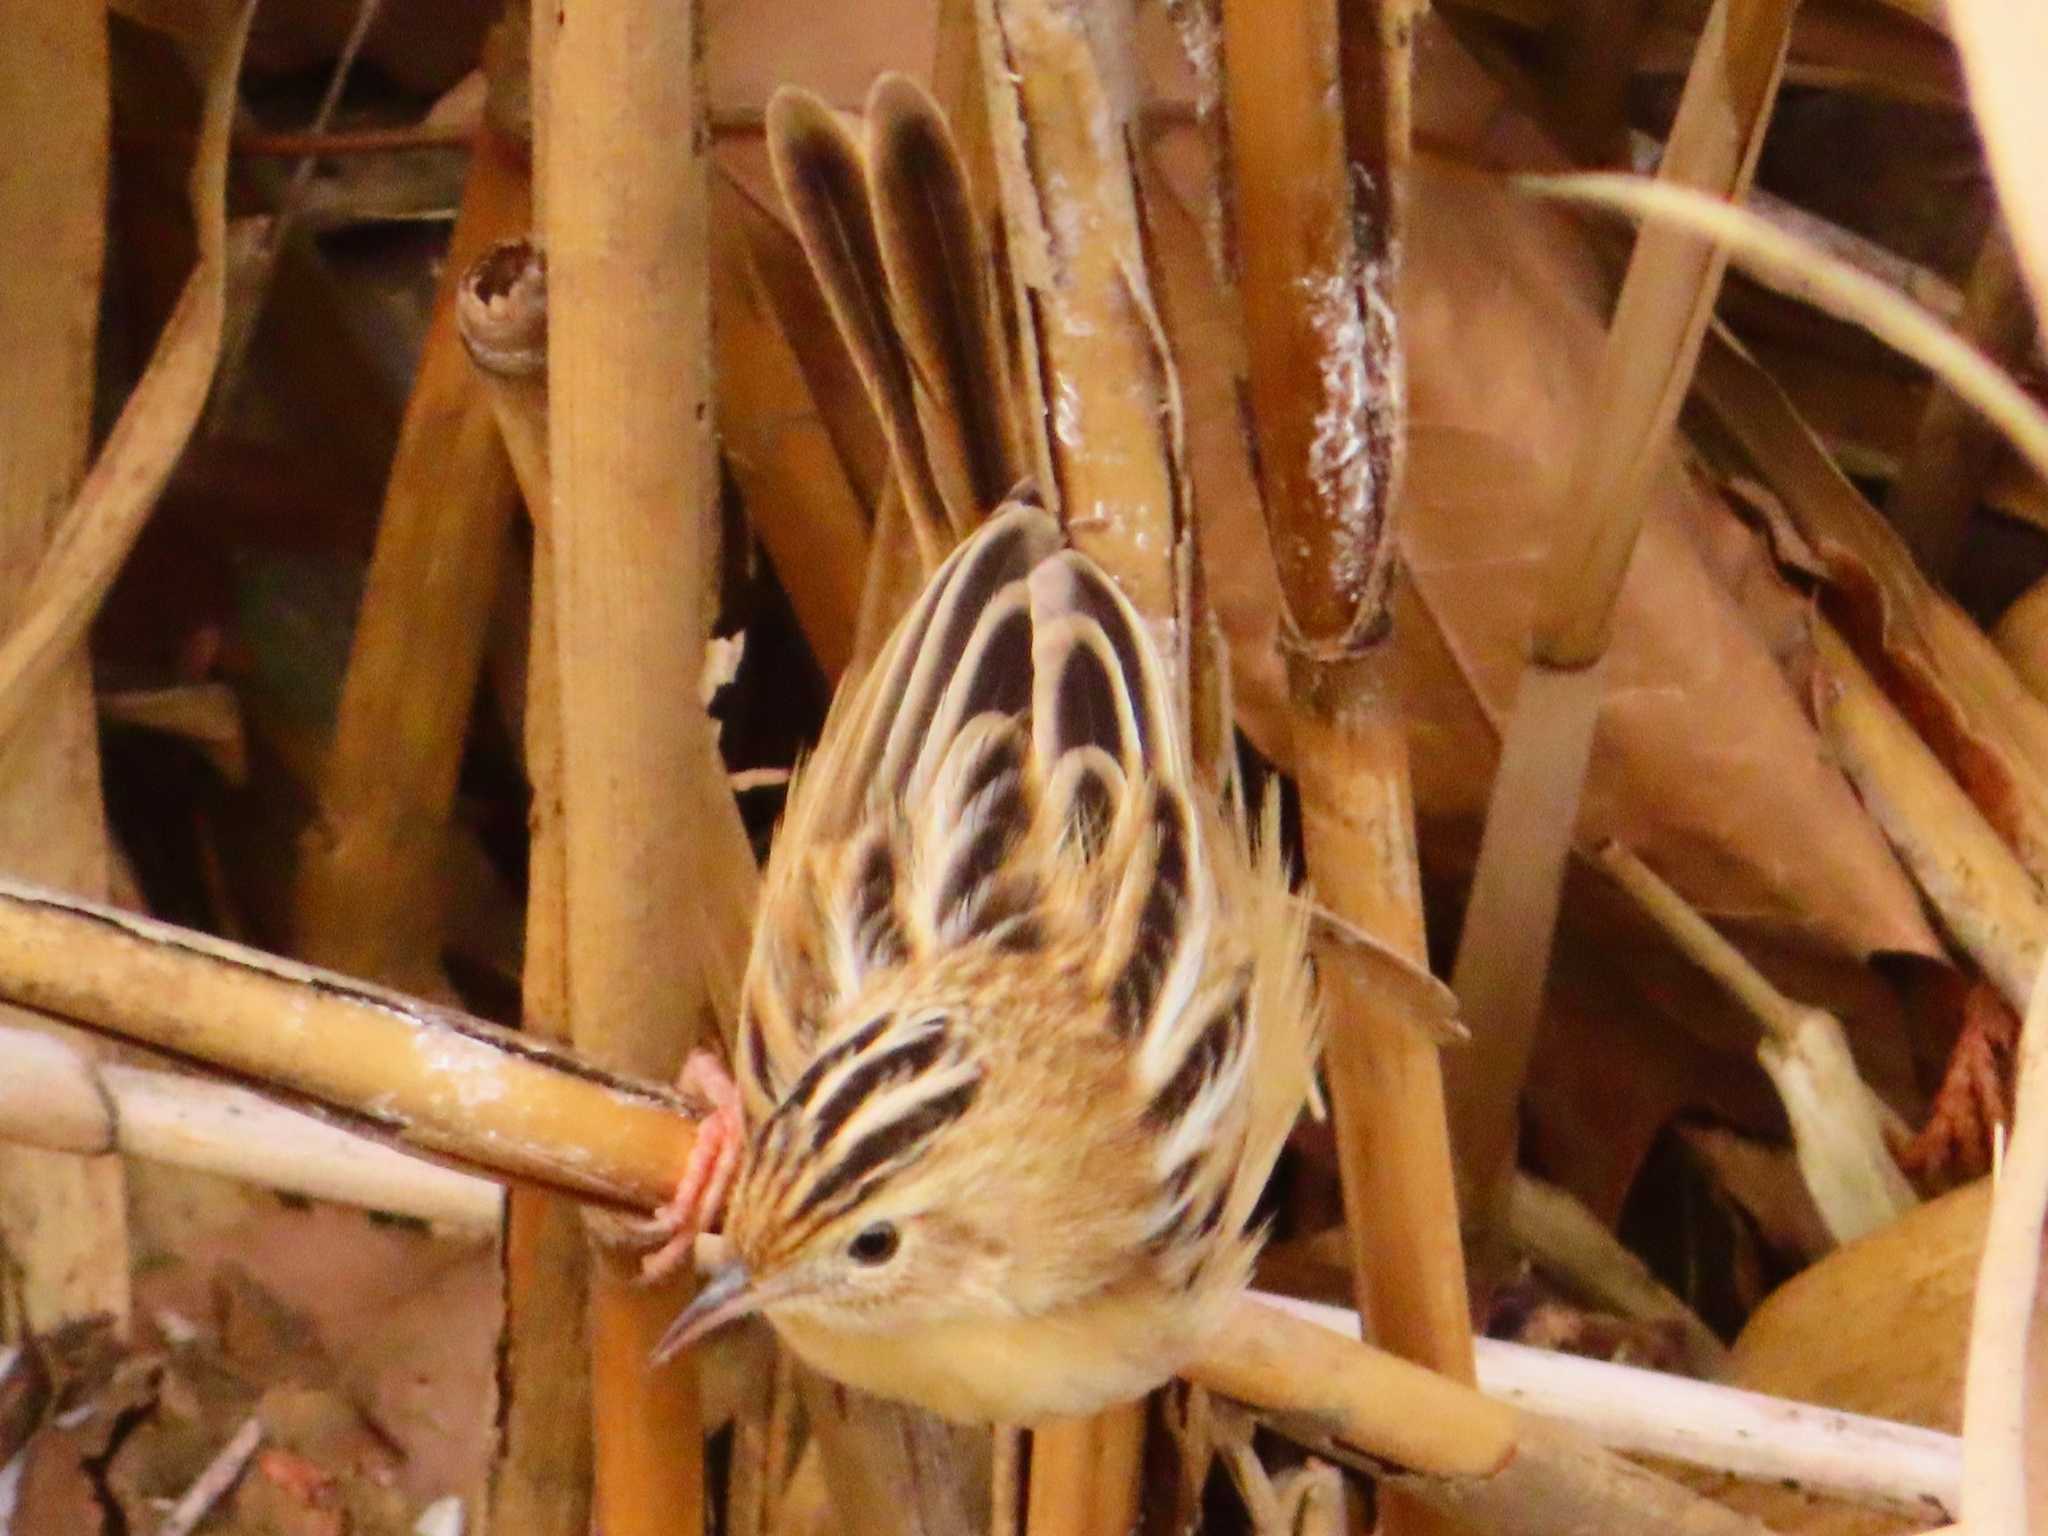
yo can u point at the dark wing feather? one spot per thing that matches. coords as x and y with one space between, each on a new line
941 294
819 167
1020 697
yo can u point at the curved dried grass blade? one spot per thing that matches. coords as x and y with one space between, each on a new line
1803 271
96 533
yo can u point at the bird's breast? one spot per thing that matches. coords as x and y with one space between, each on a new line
1018 1370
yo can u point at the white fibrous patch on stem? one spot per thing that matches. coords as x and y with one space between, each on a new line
1354 328
1066 412
1202 41
474 1072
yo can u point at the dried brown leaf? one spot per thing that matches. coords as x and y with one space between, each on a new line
1705 762
1945 674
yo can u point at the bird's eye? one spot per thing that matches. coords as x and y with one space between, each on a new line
874 1244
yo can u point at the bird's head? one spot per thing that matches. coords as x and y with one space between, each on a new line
861 1202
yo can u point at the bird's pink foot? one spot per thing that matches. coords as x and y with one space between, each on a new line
700 1192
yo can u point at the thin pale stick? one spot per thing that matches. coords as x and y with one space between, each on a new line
1995 1390
213 1483
1837 1132
1878 1463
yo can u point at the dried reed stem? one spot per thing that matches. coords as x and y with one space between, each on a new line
55 1096
1666 300
502 314
64 1218
476 1095
658 875
368 898
541 1477
429 1078
1102 404
1086 1475
1836 1129
896 1470
1325 363
1985 899
1317 264
1484 1464
1877 1463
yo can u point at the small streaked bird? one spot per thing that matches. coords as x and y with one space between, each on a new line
1025 1024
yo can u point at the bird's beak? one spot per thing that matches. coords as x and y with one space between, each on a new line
727 1295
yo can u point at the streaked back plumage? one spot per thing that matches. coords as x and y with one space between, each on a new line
997 897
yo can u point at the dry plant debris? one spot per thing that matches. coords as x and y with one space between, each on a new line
450 455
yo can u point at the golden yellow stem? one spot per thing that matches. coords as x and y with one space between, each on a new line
1085 1474
513 1107
542 1477
368 898
658 876
781 452
427 1077
1103 406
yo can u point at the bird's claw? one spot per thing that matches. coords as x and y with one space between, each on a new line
701 1190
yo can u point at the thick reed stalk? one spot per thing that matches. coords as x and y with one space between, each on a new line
429 1078
658 877
1317 201
1487 1466
1103 427
63 1217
